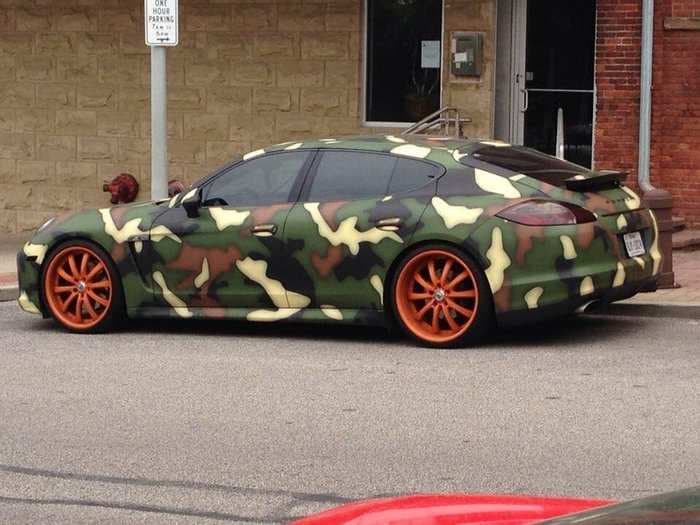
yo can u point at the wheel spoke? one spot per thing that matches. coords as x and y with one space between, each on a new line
433 274
66 276
101 300
83 264
463 294
450 320
454 282
422 282
421 313
73 267
435 324
79 308
90 310
445 271
460 309
67 303
95 271
419 296
99 285
64 289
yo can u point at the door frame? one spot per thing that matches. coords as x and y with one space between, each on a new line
511 97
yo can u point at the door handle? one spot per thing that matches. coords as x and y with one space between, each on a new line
526 99
264 230
389 224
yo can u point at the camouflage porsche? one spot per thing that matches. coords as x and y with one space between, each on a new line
445 238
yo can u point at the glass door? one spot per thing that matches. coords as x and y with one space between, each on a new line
545 72
559 68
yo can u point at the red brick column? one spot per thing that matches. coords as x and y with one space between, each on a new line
675 151
618 58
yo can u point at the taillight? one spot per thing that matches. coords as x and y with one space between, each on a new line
546 213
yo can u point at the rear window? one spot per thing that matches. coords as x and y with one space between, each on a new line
532 163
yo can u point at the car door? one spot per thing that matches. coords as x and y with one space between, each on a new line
231 255
356 213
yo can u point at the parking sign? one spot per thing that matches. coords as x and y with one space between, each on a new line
161 22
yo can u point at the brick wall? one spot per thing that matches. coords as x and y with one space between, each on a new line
675 149
676 108
618 59
74 90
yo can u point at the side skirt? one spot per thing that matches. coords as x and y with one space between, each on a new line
347 316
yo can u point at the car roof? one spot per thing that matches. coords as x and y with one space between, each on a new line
398 144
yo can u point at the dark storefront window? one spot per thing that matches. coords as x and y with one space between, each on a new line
403 61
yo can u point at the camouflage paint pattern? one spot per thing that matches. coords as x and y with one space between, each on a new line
333 261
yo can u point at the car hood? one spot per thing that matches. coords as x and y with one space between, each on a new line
101 224
452 509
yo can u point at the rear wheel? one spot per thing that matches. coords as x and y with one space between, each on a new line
81 288
441 298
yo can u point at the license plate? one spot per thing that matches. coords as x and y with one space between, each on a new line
634 244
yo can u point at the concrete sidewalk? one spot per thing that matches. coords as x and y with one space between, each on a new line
683 301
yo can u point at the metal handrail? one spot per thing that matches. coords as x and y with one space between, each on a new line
446 118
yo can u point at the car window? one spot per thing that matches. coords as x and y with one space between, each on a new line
412 174
530 162
351 175
260 181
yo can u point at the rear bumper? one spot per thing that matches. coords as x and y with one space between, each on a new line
552 311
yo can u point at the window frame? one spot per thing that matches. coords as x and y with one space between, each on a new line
365 63
294 192
310 177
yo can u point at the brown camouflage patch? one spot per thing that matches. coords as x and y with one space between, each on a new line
325 265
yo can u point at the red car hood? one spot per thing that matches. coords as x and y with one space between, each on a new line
451 510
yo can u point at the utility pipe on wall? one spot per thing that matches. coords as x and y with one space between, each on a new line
645 96
658 200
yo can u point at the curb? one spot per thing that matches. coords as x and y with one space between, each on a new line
9 293
660 310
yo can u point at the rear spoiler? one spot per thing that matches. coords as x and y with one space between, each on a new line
600 180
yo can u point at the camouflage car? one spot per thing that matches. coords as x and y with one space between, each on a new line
446 238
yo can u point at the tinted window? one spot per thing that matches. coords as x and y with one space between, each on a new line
412 174
348 175
531 163
404 51
265 180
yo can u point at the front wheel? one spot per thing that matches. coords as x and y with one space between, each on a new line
441 298
81 288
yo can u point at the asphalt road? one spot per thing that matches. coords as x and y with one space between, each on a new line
205 422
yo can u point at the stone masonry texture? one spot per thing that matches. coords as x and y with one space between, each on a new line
74 90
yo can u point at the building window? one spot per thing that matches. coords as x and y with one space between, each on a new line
402 60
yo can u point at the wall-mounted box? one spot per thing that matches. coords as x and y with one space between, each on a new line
467 54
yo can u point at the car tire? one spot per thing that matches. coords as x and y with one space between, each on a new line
441 298
81 288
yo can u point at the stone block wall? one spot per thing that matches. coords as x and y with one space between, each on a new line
74 90
475 96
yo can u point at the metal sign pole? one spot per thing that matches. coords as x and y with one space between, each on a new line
159 124
162 29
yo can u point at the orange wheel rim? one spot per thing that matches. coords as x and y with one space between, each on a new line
436 296
78 288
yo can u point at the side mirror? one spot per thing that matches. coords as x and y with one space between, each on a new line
192 201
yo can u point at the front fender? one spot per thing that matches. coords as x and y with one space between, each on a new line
116 230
